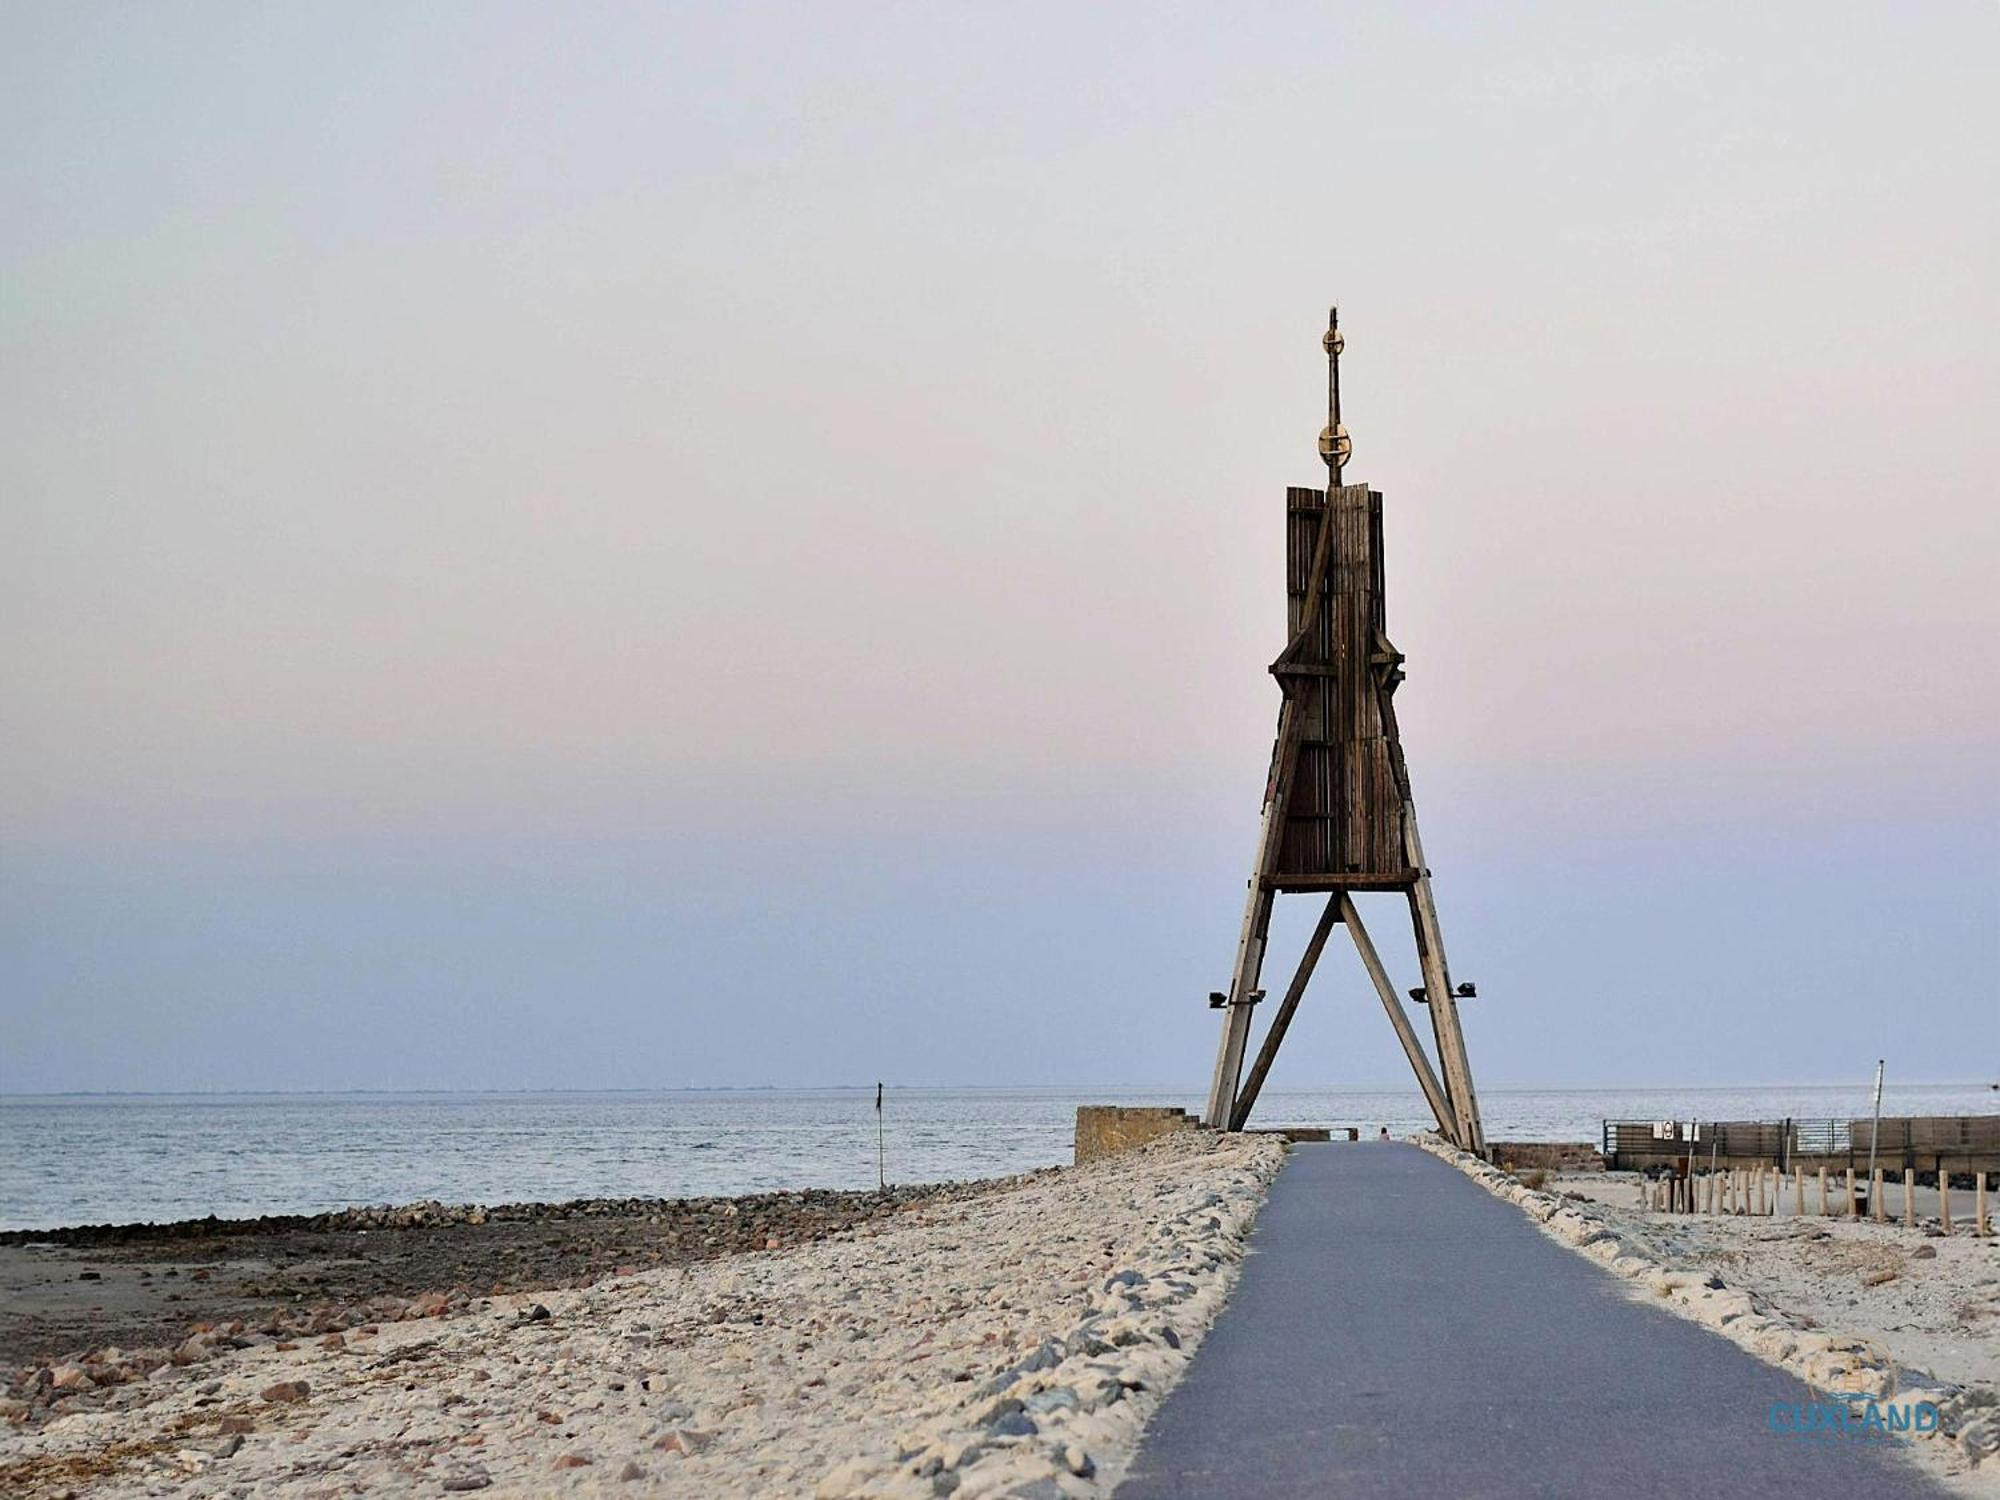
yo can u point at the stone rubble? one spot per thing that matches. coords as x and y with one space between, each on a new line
209 1285
1969 1414
1010 1344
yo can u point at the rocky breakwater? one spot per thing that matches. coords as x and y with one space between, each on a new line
1011 1342
723 1217
111 1303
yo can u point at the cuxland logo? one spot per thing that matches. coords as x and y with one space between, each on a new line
1846 1410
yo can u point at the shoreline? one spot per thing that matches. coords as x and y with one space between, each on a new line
67 1295
431 1213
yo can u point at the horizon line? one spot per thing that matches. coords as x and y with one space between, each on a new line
826 1088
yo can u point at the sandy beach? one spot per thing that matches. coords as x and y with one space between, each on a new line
145 1288
974 1342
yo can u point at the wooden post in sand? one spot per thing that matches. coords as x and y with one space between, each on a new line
1944 1198
1875 1200
1980 1224
1853 1203
1909 1198
1822 1191
1798 1190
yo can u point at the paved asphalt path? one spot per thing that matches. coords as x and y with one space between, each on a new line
1399 1331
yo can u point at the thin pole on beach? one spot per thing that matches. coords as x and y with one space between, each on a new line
881 1162
1875 1131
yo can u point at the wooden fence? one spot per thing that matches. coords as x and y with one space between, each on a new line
1927 1143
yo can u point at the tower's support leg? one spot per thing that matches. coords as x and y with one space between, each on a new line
1275 1036
1256 920
1405 1033
1469 1134
1236 1010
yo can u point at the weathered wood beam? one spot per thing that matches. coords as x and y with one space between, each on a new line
1392 1003
1470 1134
1390 880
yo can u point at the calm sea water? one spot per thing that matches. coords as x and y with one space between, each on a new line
116 1159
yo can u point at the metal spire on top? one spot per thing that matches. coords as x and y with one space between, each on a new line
1335 446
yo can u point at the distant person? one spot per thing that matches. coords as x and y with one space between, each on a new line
1384 1135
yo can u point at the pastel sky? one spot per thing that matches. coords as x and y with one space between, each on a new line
637 545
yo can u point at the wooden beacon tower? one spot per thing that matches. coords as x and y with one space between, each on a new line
1338 816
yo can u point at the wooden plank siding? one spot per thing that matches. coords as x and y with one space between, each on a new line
1344 819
